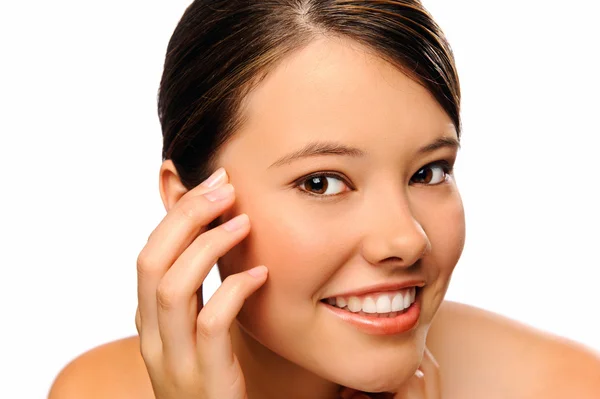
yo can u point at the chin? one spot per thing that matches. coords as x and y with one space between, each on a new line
373 378
376 366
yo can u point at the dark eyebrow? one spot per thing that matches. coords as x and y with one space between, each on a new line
441 142
319 148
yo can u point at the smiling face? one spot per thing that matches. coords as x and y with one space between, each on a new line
342 166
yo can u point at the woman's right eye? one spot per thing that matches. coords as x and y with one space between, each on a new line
323 185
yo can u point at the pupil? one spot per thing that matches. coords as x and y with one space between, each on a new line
425 175
317 184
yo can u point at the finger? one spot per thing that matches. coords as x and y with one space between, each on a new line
415 389
425 383
137 320
177 291
370 395
347 393
213 340
431 375
177 229
350 393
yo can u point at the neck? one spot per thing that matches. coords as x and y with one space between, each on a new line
270 376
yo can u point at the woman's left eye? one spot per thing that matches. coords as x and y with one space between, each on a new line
432 174
323 185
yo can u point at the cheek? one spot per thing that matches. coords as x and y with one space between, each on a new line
297 250
288 241
451 236
443 220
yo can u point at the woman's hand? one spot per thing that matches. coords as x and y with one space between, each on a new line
186 345
424 384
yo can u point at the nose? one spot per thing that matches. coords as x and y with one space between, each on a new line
394 237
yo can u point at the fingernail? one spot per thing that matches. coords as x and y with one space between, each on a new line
220 193
258 271
236 222
215 179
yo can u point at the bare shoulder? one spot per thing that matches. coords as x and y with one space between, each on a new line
113 370
484 354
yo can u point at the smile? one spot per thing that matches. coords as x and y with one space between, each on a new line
380 304
383 313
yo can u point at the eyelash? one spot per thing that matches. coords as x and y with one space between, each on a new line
298 183
447 168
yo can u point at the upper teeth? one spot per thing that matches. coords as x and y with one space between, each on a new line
384 302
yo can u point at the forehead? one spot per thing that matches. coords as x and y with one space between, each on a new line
335 89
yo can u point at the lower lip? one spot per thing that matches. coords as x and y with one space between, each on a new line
381 325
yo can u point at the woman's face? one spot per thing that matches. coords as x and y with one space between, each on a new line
378 208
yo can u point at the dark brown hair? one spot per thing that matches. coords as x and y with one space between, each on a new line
221 49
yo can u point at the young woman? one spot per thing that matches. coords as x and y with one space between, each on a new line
308 151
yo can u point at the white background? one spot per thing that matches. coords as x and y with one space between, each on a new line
80 154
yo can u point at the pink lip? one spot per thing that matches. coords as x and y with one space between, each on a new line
381 288
378 325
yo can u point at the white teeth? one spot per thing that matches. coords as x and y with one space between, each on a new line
407 299
398 303
368 305
384 305
354 304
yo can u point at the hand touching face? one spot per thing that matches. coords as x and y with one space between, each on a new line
344 166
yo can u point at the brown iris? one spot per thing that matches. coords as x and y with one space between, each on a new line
316 184
424 175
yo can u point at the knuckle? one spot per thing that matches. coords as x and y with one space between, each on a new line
207 247
150 352
167 295
205 244
208 251
189 208
233 284
207 326
145 263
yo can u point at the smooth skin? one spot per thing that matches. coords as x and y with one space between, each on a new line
335 91
188 351
415 229
381 222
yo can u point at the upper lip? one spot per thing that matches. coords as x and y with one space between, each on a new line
382 287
